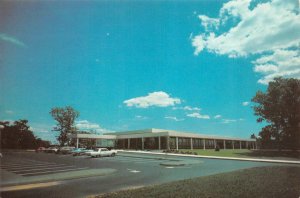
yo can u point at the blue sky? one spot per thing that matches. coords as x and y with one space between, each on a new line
126 65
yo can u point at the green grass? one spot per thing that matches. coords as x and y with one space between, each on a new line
271 154
280 181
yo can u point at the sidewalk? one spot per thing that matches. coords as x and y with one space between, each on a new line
214 157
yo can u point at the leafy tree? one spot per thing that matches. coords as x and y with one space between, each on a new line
253 136
42 143
280 108
65 118
17 135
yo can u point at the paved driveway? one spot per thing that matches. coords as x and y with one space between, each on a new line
132 170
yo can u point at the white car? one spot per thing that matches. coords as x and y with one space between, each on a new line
101 152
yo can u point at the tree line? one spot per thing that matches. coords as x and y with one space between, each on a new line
17 135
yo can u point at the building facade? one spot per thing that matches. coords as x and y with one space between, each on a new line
161 139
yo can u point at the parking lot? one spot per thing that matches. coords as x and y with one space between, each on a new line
130 170
29 168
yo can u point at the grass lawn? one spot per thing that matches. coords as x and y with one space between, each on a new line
279 181
249 153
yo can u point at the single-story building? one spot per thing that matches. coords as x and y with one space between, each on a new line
162 139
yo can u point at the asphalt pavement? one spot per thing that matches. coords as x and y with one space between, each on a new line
29 174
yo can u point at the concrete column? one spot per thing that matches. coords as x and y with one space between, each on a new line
240 144
191 143
128 143
168 142
203 144
142 143
176 143
233 144
159 146
77 142
215 144
224 144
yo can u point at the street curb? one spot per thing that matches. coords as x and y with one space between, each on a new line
215 157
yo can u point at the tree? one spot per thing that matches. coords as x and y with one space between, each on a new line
17 135
279 107
253 136
65 118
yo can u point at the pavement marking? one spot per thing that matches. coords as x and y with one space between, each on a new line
31 167
133 171
15 164
26 165
29 170
64 170
28 186
169 167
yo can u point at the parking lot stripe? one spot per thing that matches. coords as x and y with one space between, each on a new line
54 171
31 167
24 165
28 186
30 170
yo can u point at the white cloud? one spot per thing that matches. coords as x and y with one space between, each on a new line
10 112
187 108
85 125
11 40
159 99
228 121
139 117
279 63
38 130
174 118
245 103
198 115
209 23
217 116
270 30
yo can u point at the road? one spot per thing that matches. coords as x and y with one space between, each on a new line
131 170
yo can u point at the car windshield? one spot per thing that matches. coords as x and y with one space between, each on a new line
95 149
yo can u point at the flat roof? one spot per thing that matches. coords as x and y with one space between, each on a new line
155 133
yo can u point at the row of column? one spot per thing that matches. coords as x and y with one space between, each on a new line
191 144
224 144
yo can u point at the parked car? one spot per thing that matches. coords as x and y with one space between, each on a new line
86 152
51 150
101 152
40 149
78 151
65 150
